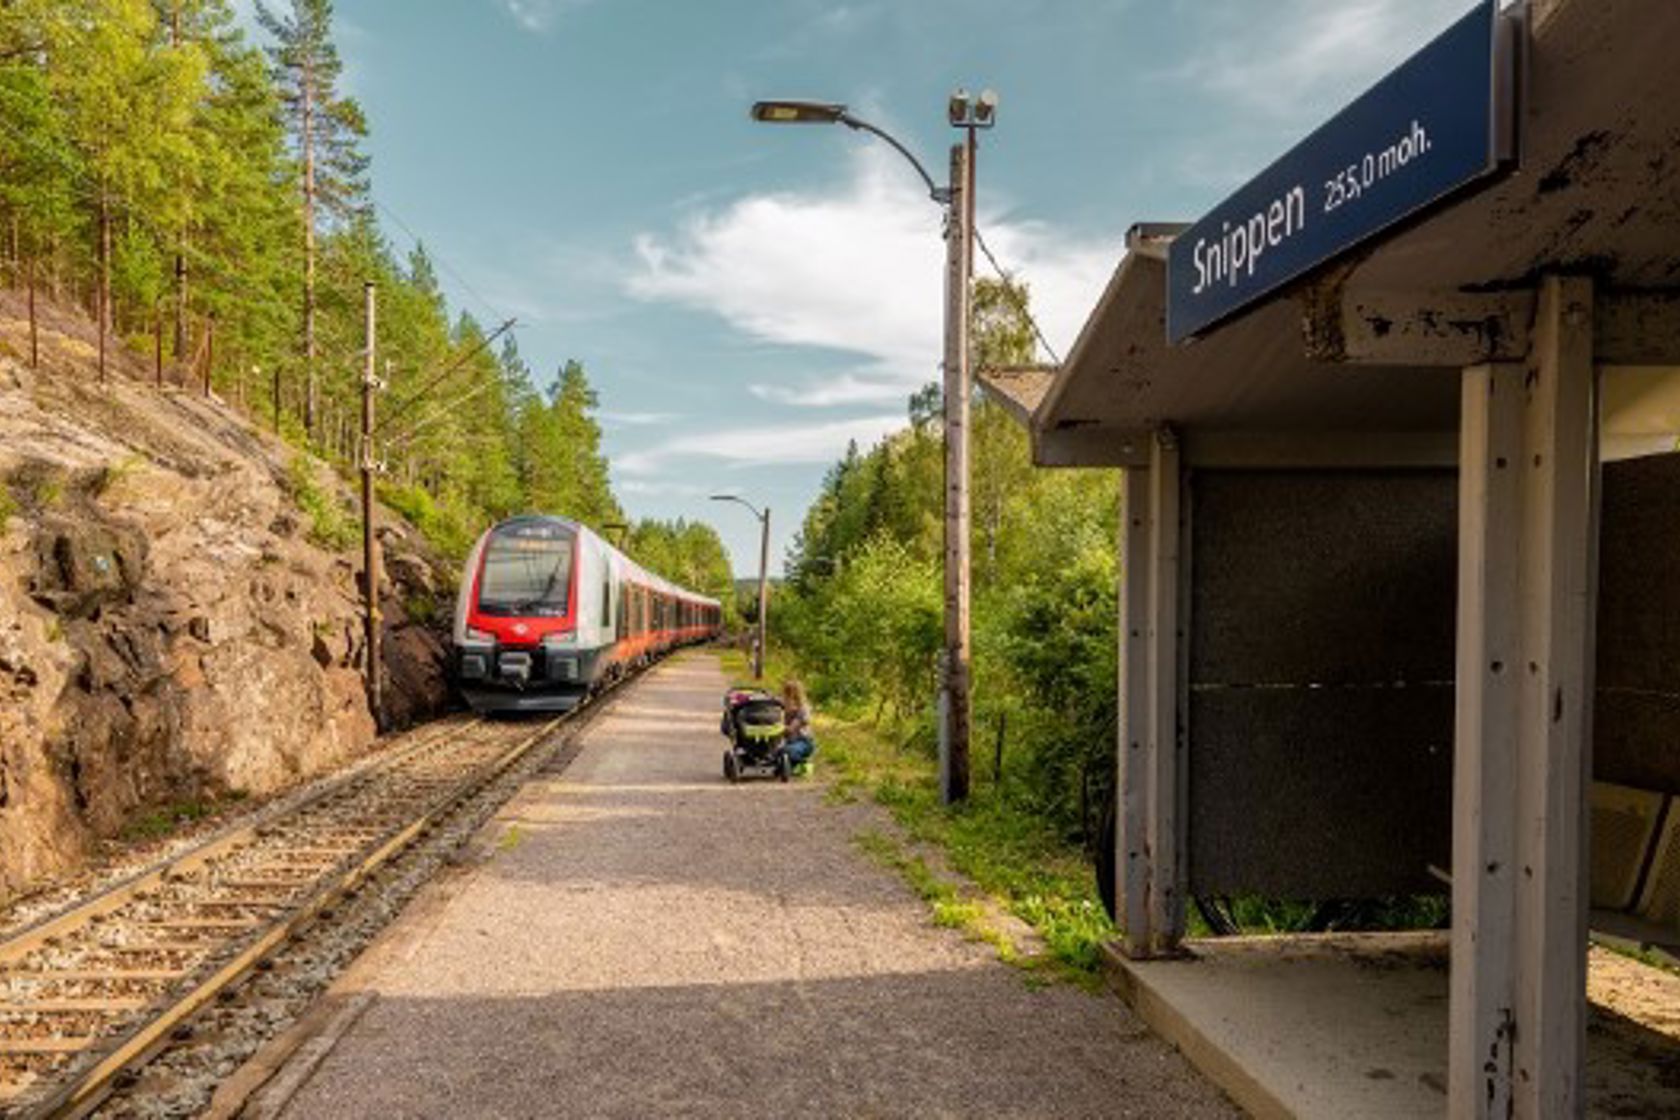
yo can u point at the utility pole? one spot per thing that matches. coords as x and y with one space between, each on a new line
763 592
959 225
370 539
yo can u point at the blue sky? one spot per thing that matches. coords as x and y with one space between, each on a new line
746 298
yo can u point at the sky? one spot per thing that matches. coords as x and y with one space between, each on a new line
747 298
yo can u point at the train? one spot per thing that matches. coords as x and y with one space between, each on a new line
549 612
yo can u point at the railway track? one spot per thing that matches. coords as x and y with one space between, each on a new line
99 988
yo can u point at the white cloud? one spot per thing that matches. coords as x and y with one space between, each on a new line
645 488
859 269
821 393
1308 54
538 16
780 444
637 419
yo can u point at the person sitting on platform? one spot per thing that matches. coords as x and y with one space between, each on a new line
799 744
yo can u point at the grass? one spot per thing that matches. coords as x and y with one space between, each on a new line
422 608
112 474
164 820
329 526
1006 850
511 839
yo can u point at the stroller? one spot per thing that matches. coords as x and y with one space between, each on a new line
754 723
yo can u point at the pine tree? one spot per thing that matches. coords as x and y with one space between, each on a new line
327 129
39 167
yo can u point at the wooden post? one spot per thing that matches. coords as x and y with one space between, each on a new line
370 538
953 762
209 351
180 305
1528 533
34 322
763 594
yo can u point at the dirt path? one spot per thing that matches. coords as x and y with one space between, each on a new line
639 938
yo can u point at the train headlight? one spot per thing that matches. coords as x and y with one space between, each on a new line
476 635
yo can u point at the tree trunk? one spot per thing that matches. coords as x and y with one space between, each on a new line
17 251
310 389
209 352
103 318
157 345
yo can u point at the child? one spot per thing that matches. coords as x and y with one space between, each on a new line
799 745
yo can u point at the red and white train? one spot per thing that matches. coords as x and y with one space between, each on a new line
548 612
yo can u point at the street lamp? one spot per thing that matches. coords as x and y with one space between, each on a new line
763 577
969 114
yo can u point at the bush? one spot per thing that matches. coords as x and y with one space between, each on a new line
450 524
329 525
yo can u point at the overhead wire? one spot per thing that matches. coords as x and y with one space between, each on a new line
419 394
1009 278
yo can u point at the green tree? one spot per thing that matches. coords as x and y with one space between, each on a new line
327 131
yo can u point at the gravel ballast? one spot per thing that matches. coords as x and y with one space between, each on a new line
635 937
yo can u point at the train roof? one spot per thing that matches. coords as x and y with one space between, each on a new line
653 579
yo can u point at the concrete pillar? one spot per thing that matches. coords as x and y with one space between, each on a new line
1528 532
1150 862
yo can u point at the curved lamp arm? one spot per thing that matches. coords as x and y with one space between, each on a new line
939 194
742 501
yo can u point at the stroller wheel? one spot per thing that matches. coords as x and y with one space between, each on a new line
784 766
731 766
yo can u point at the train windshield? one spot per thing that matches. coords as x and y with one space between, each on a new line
527 571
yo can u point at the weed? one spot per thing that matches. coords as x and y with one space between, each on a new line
511 839
8 507
1006 850
160 822
949 908
1009 851
421 607
329 527
36 486
111 474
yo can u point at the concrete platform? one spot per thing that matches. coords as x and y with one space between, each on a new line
637 937
1354 1025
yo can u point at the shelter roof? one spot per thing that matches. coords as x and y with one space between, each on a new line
1020 389
1374 342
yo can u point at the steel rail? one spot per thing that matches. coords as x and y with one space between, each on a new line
33 936
84 1092
83 1089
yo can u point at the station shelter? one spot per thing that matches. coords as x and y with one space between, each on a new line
1400 602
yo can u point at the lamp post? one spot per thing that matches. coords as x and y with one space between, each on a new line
969 114
763 577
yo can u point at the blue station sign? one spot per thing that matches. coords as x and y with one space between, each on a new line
1436 124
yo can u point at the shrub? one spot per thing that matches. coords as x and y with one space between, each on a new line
329 525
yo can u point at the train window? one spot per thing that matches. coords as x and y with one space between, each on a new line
606 602
527 571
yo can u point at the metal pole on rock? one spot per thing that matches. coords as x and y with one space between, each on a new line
370 539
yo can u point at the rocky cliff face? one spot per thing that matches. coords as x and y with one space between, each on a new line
171 629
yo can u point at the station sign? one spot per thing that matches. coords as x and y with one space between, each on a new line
1431 127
